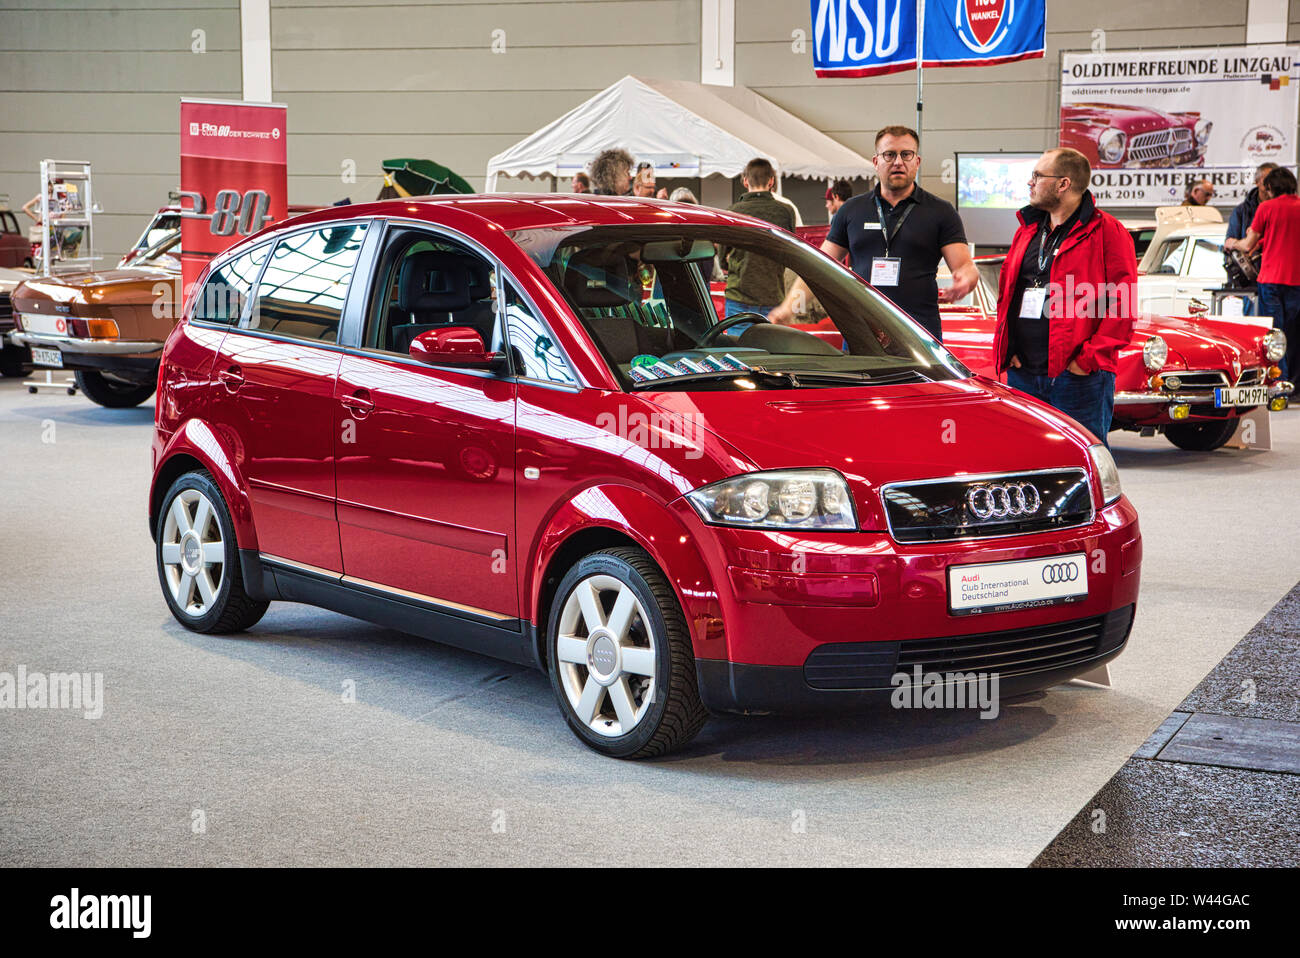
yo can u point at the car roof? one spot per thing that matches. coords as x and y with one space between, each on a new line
513 211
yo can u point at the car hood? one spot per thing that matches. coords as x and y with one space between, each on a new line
1203 347
1130 119
879 434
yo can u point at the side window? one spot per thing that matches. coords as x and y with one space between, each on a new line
534 351
1207 261
10 224
306 282
228 287
427 281
1169 261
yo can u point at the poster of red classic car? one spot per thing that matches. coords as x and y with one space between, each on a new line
1149 121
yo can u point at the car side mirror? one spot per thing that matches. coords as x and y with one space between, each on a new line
454 346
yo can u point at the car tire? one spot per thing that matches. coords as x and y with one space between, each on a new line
15 362
193 536
1201 436
112 393
646 700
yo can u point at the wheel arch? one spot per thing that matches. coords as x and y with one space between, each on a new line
197 446
574 532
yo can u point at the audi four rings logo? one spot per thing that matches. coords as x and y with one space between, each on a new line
1003 500
1060 572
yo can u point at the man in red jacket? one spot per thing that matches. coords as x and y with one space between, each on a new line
1068 295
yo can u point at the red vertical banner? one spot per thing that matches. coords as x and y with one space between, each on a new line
234 176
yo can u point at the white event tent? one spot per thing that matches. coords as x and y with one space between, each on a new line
714 130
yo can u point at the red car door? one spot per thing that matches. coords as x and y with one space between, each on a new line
425 455
274 383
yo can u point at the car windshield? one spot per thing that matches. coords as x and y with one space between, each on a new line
164 249
652 300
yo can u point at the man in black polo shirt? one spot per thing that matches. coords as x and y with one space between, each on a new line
895 235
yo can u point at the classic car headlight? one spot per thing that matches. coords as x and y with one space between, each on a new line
1203 128
1110 145
1106 469
1274 345
1154 353
779 499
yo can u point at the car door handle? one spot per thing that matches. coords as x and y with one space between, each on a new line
359 402
232 378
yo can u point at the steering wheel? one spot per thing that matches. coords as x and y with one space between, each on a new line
711 337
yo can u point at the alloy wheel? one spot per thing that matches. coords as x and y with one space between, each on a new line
193 552
606 653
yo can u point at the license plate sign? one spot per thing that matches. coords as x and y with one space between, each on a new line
47 357
1021 584
1240 396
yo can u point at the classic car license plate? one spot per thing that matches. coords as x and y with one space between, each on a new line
1022 584
47 357
1240 396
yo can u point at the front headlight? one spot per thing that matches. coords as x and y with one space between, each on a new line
1203 128
1107 470
779 499
1274 345
1110 145
1154 353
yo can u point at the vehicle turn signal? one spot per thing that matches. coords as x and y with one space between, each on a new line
101 329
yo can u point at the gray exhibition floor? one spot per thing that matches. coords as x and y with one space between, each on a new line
450 758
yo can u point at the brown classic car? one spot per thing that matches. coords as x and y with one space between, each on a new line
109 327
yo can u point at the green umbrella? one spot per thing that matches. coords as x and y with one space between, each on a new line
419 178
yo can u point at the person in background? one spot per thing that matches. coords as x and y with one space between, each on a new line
683 195
581 182
756 284
1067 296
836 195
1199 193
644 183
1241 216
895 236
611 173
1276 224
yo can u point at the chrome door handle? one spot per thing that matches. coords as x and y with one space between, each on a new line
231 378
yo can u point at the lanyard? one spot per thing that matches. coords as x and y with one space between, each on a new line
1046 246
885 232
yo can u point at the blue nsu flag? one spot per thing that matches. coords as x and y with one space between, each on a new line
862 38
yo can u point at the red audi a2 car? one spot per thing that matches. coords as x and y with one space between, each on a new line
516 424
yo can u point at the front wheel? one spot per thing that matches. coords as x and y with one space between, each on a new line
113 393
1200 436
620 657
198 559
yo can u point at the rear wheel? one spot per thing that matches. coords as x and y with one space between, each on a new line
1200 436
113 393
198 559
620 657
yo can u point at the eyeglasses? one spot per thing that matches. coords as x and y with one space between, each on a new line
1035 176
889 156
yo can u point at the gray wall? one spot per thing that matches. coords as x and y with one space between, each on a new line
365 80
101 81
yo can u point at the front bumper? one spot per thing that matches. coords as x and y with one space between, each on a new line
784 599
848 676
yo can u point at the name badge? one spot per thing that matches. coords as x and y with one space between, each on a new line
873 226
885 270
1031 305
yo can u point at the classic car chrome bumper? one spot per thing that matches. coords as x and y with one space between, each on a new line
1191 397
94 347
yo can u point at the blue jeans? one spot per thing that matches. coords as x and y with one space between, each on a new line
1089 400
1283 304
733 307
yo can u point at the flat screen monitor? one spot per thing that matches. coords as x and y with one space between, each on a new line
991 187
